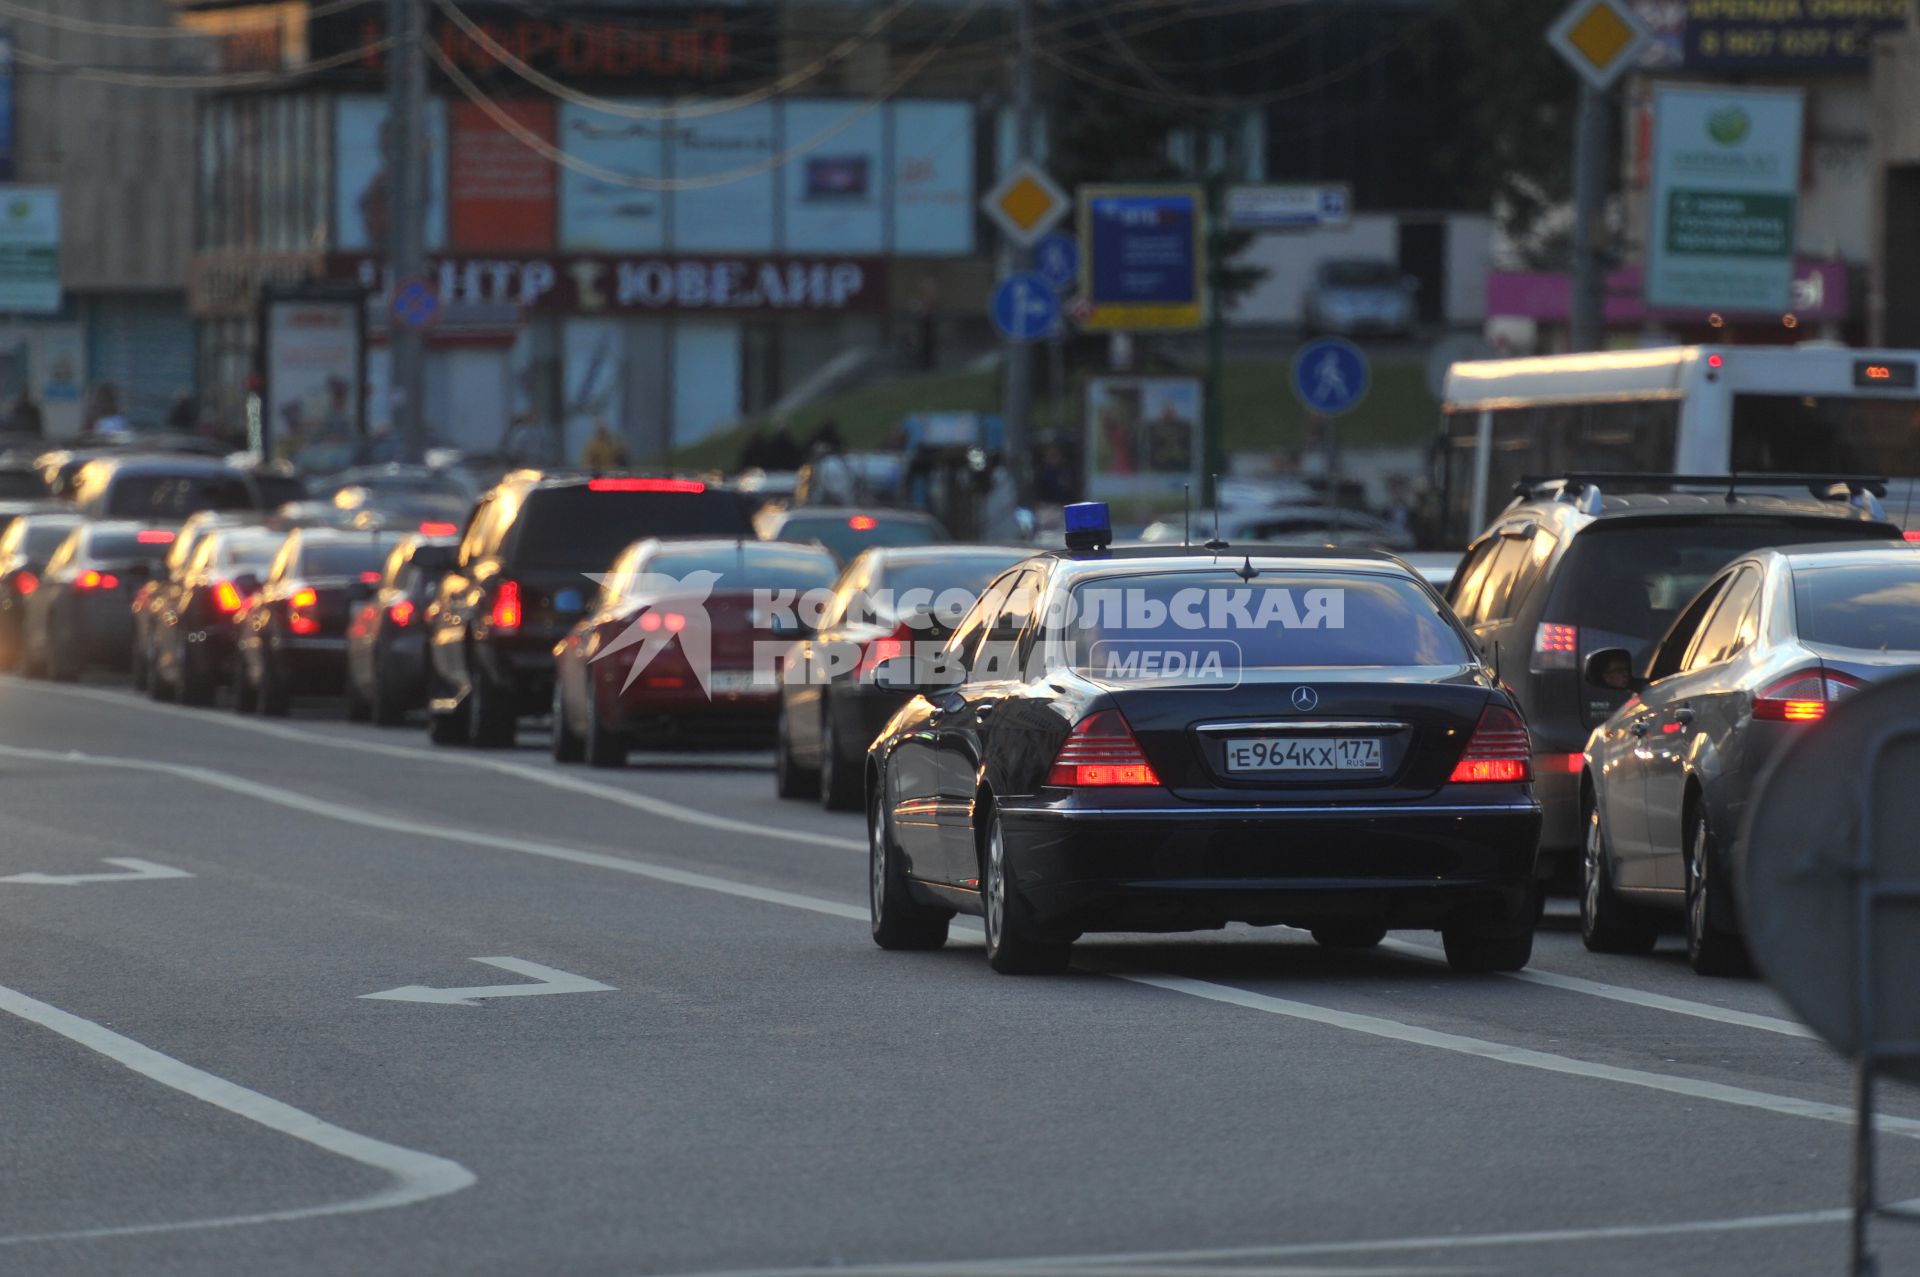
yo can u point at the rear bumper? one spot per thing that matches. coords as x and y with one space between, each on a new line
1166 868
662 713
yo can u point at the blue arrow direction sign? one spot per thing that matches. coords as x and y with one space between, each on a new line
1057 259
1025 307
416 303
1330 376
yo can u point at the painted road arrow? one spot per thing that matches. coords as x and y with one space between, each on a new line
132 870
552 980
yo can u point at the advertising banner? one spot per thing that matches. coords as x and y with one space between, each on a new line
29 250
501 190
734 214
1726 178
362 211
834 193
597 215
1143 435
1725 36
933 187
313 366
1143 257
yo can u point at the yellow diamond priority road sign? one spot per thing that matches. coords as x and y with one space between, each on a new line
1599 38
1025 204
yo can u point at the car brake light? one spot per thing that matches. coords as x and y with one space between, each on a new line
653 622
25 583
645 485
369 578
882 650
1803 697
1101 751
401 613
226 597
299 618
95 580
1911 534
1497 752
153 536
506 606
1555 647
438 529
863 523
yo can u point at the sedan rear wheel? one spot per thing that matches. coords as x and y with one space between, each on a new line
1711 948
246 694
899 921
839 776
604 747
1607 923
566 745
196 680
1013 946
1475 952
790 779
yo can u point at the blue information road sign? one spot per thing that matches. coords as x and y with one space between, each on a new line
1025 307
416 303
1330 375
1057 258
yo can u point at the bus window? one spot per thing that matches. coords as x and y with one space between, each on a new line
1831 434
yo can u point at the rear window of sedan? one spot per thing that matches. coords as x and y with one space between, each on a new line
846 535
105 547
1872 607
579 526
751 566
174 496
1280 620
343 558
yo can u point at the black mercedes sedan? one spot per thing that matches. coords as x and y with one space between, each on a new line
1170 739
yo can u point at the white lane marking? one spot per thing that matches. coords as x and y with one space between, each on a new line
1627 994
547 980
417 1177
550 777
132 870
421 829
1412 1034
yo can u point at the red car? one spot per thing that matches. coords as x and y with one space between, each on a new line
677 644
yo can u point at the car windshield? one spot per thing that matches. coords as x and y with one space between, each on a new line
969 572
750 565
1873 607
579 527
175 496
1632 578
848 534
1284 620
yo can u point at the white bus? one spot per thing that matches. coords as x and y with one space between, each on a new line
1680 409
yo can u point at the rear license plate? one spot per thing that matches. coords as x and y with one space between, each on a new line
739 681
1304 754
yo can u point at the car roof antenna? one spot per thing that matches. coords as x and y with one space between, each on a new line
1216 544
1186 516
1246 571
1733 481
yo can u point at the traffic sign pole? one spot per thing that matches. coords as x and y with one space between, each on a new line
1018 382
1586 319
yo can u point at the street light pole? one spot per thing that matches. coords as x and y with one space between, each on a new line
406 224
1587 308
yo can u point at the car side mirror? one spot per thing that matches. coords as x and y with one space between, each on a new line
1611 668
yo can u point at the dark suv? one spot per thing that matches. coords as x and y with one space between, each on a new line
1582 562
520 581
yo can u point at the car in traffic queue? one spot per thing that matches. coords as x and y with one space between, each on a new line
1285 525
1754 661
1166 739
1582 562
192 643
846 530
291 637
673 649
386 639
523 575
152 601
25 547
80 615
160 488
886 600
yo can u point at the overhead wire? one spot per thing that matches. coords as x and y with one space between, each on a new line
533 141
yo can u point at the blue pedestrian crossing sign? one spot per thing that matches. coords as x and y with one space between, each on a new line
1025 307
1330 376
1057 258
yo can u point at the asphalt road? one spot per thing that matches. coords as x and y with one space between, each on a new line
730 1078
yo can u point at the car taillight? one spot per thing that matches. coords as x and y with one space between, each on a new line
369 578
1911 534
653 622
863 523
1555 647
431 529
645 485
96 580
401 613
227 598
881 650
1497 752
300 618
1101 751
506 606
1803 697
25 582
153 536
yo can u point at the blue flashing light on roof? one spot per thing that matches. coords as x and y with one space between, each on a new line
1089 526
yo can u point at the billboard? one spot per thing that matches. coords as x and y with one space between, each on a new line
597 215
314 373
1143 436
361 201
29 250
1724 37
834 198
501 191
1143 257
932 189
1726 178
735 214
